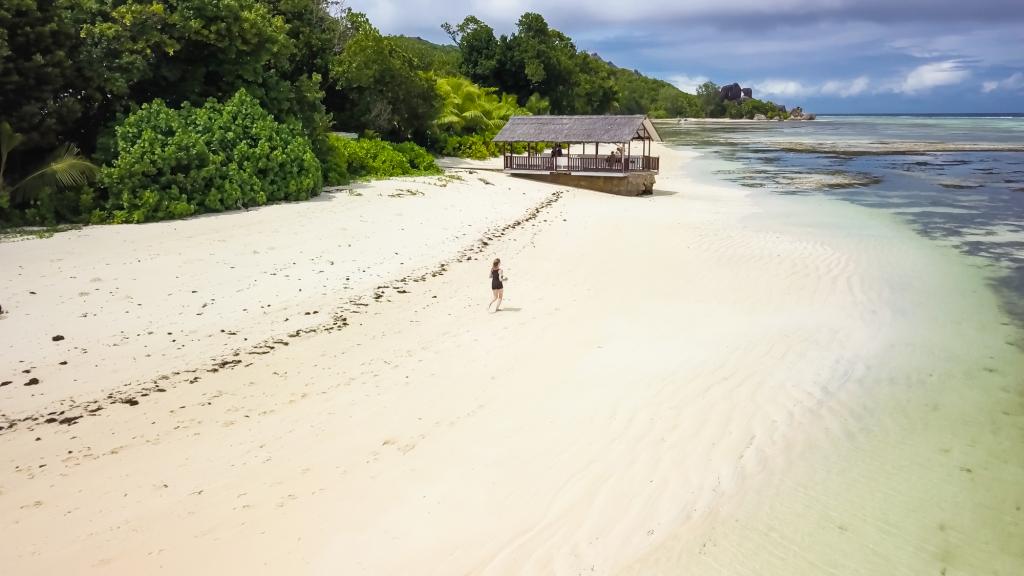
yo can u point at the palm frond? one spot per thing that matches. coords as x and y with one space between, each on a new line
469 98
472 109
449 119
474 118
64 169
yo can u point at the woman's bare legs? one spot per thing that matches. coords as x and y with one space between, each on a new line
500 294
497 298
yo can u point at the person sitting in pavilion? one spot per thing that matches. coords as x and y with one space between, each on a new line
614 159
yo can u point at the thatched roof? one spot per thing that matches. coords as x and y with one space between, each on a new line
577 129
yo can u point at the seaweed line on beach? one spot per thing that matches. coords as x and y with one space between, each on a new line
130 394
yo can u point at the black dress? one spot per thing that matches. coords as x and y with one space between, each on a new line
496 280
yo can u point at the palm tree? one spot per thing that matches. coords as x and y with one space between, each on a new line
63 169
471 109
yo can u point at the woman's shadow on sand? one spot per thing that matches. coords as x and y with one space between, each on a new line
510 309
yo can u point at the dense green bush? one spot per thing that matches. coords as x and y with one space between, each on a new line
52 205
335 161
476 146
373 158
419 159
174 163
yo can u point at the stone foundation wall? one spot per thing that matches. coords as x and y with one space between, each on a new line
629 185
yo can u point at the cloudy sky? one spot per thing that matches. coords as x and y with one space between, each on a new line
826 55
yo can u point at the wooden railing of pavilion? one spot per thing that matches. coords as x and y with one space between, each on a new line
583 163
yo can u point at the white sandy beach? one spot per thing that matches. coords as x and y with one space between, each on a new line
705 381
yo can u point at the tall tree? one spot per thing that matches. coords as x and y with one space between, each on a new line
191 50
710 100
180 51
479 48
317 37
377 86
440 60
537 58
594 91
43 86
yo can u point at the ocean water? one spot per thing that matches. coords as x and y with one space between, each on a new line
956 179
916 463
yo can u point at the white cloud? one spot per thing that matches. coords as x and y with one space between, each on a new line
688 83
783 88
780 88
932 75
994 44
845 88
1014 81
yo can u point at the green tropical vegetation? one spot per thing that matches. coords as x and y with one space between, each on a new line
172 163
709 104
191 106
378 87
472 115
639 94
64 168
536 59
539 61
354 159
440 60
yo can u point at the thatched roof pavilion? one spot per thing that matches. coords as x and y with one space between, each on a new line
577 129
616 170
619 131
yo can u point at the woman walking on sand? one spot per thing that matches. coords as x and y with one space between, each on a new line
496 284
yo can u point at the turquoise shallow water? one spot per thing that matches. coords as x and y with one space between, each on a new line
916 465
958 180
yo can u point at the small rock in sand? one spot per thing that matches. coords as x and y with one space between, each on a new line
57 338
32 382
